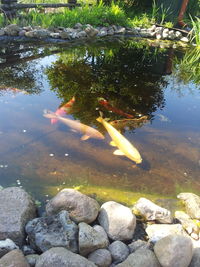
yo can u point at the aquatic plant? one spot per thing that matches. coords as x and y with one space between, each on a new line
196 31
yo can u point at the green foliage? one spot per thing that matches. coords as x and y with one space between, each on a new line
196 30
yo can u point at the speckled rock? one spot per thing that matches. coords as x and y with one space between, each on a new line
102 232
141 258
16 209
53 231
174 250
14 258
32 259
119 251
156 232
6 246
91 32
81 208
90 239
100 257
138 244
195 262
192 204
2 32
57 257
151 211
117 220
12 30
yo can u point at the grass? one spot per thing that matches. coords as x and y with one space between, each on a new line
196 31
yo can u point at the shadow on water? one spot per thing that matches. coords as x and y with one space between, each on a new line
129 82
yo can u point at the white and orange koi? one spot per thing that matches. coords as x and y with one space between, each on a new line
63 110
76 126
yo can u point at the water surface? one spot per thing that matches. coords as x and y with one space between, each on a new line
133 77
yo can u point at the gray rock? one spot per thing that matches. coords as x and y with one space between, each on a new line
156 232
65 35
102 232
22 33
101 257
91 32
110 31
192 204
159 30
184 39
165 33
119 251
171 35
16 209
6 246
120 30
53 231
32 259
27 250
12 30
178 35
30 34
42 33
81 34
195 262
27 28
81 208
141 258
117 220
151 211
174 250
103 32
14 258
2 32
55 35
57 257
138 244
90 239
78 26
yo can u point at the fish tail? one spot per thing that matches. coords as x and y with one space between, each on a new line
49 114
100 118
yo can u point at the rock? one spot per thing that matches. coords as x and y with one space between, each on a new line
110 31
81 34
27 250
2 32
144 33
184 39
171 35
16 209
90 239
12 30
156 232
100 257
30 34
120 30
14 258
78 26
103 32
151 211
41 33
27 28
81 208
178 34
192 204
174 250
65 35
55 35
117 220
102 232
188 224
32 259
141 258
22 33
119 251
195 262
57 257
91 32
6 246
138 244
53 231
165 33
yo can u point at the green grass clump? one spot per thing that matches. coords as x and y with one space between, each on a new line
196 31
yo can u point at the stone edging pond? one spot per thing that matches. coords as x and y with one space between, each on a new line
13 32
76 231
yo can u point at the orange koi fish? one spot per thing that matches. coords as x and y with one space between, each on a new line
107 105
65 109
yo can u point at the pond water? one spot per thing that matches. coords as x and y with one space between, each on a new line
124 79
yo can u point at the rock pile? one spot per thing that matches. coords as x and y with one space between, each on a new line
76 231
87 31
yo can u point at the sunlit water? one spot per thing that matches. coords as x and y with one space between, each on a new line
44 158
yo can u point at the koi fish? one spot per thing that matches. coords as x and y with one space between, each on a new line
76 126
65 109
137 122
13 90
107 105
125 148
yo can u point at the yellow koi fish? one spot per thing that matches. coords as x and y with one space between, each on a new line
125 148
76 126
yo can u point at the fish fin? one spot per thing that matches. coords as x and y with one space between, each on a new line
49 114
85 137
54 121
100 118
112 143
118 153
72 130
